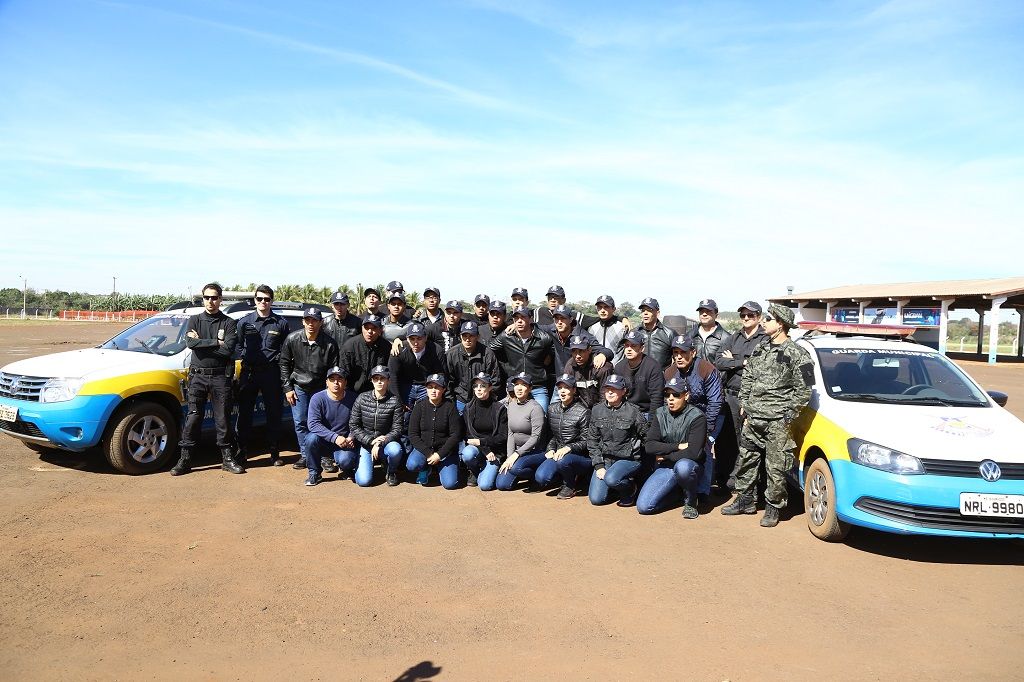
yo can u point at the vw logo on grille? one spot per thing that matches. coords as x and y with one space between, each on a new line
990 471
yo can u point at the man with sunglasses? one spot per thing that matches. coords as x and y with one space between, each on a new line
212 336
731 361
776 386
261 334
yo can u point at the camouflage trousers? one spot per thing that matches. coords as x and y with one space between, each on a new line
767 439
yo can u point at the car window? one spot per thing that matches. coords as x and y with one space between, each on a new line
159 335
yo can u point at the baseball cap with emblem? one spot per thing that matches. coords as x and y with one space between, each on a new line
634 336
484 377
482 298
374 320
567 379
607 300
562 311
396 296
338 297
370 290
521 291
614 381
337 371
313 312
498 306
380 371
432 290
708 304
524 377
469 328
556 290
682 342
752 306
677 384
651 303
416 329
436 379
578 342
395 285
525 313
453 305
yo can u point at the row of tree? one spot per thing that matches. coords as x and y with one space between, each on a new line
77 300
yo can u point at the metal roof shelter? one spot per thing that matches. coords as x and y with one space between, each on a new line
894 302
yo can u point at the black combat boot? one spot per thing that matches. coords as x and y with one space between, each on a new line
228 463
771 517
743 504
183 466
275 459
241 456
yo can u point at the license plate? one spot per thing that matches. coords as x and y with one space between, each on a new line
8 413
987 504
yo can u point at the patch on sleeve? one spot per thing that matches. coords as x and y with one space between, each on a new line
807 372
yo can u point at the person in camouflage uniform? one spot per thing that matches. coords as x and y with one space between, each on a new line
776 386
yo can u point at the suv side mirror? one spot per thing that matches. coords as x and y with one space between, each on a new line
999 397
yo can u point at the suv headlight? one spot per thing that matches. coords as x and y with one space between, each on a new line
885 459
60 389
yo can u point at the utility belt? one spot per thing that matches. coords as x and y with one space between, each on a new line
225 370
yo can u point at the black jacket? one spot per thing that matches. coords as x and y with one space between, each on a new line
407 371
659 344
646 383
435 428
588 381
207 350
534 355
463 366
359 357
372 417
342 330
709 349
495 440
615 433
561 346
305 365
569 427
658 444
741 348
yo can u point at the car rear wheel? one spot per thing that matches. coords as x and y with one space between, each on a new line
820 503
143 439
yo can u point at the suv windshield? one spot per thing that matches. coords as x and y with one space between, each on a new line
896 376
160 335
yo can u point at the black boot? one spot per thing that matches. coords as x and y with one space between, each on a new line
771 517
241 456
183 466
275 459
228 463
743 504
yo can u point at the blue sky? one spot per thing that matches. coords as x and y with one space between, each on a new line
681 150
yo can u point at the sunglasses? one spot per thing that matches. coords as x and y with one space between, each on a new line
263 299
211 298
768 318
748 316
674 394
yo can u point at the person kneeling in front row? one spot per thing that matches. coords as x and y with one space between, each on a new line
675 439
525 426
328 419
435 430
569 424
617 430
376 424
486 433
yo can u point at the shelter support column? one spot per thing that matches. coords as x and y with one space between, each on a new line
944 325
981 328
993 330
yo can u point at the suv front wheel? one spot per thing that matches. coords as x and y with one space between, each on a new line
142 439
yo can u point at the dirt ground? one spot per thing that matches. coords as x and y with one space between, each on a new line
215 576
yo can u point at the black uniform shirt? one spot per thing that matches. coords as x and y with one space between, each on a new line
260 339
207 350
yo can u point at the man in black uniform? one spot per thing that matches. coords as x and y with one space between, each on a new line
480 305
658 338
709 336
497 321
260 336
364 352
467 360
306 356
413 364
212 336
342 325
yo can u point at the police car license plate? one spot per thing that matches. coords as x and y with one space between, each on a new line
8 413
982 504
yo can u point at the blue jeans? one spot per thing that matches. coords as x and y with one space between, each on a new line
316 447
449 466
573 467
524 467
392 459
300 410
546 473
542 398
486 472
665 481
618 477
704 484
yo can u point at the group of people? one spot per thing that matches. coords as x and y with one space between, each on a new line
508 393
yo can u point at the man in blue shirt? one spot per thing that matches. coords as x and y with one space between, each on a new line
329 412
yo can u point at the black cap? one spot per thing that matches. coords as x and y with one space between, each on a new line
396 296
482 298
415 329
708 304
453 305
337 371
683 342
312 311
438 379
522 376
556 290
370 290
485 377
395 285
614 381
375 320
380 371
677 384
567 379
521 291
432 290
606 299
563 311
635 336
498 306
468 327
338 297
578 342
752 306
651 303
523 312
